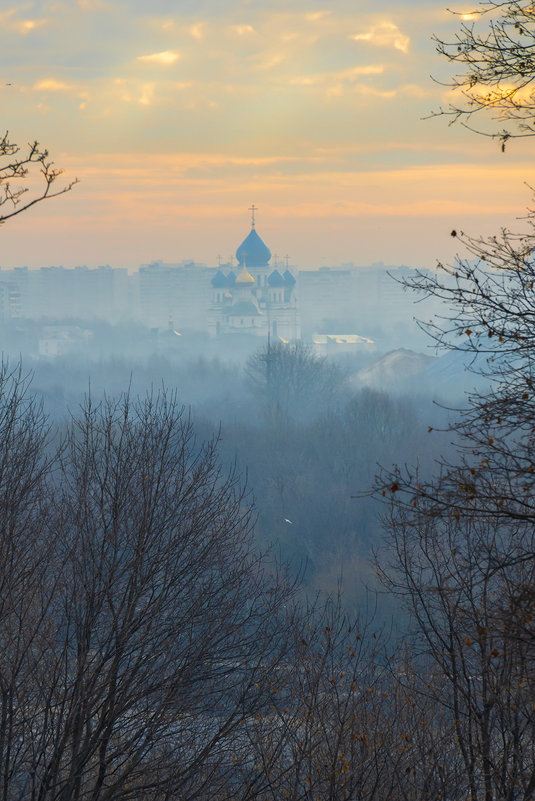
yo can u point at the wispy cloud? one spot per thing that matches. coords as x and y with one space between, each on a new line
385 34
371 91
9 20
25 26
415 91
316 16
347 76
146 96
93 5
53 85
269 61
166 57
197 31
153 208
242 30
137 92
245 80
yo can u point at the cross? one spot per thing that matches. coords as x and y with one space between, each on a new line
287 260
252 209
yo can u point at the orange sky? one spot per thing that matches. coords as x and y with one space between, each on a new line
176 116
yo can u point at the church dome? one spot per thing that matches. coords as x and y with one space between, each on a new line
276 279
219 281
244 277
289 280
253 251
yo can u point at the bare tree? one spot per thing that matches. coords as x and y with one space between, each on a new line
460 549
459 579
26 586
290 380
156 626
325 734
489 303
17 168
350 720
494 49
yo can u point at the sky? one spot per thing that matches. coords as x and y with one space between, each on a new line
177 115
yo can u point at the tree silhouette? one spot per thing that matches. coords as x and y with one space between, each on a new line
494 49
17 168
139 628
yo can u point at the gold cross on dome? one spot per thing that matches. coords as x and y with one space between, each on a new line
252 209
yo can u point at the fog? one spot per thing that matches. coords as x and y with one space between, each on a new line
307 422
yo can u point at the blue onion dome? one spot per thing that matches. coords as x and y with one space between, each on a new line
275 279
231 278
253 251
289 280
219 281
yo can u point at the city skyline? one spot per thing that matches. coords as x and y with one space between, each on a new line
177 119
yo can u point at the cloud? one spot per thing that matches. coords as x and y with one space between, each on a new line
270 61
9 21
349 75
25 26
157 168
92 5
52 85
315 16
370 91
166 57
242 30
141 93
385 34
155 207
415 91
197 31
147 94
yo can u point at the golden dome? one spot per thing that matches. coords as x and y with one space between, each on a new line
244 277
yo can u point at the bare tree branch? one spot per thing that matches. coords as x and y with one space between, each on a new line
18 166
494 51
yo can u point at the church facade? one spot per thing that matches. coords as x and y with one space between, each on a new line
254 298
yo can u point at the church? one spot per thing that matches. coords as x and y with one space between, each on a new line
255 298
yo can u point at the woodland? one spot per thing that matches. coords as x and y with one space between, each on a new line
326 594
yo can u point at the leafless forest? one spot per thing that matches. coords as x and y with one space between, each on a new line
263 580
